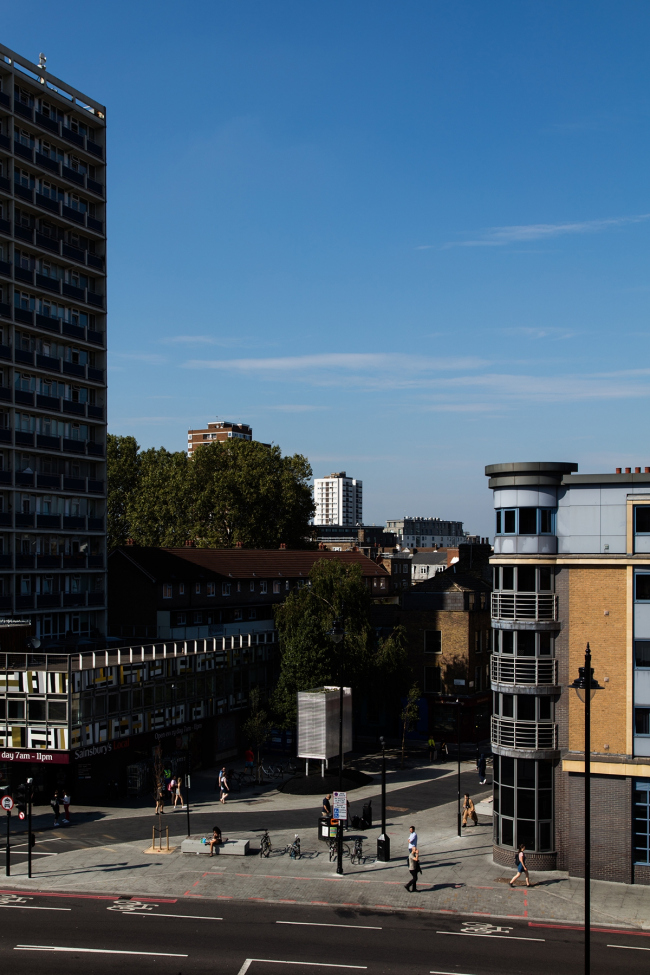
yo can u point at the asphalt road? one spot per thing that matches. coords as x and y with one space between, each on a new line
90 935
94 829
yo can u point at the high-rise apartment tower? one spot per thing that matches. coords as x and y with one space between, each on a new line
52 353
338 500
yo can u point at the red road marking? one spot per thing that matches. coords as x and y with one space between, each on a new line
92 897
581 927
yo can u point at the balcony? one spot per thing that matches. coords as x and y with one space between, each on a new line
45 442
74 331
46 163
74 484
25 110
525 606
24 315
72 175
48 243
71 136
48 403
5 352
23 398
25 152
96 375
97 338
74 252
46 122
24 192
526 735
72 291
49 600
47 203
527 672
49 482
48 322
48 362
96 149
74 446
23 274
48 521
74 369
49 284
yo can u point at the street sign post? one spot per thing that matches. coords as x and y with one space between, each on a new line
7 803
340 805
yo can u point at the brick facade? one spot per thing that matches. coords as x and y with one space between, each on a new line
611 827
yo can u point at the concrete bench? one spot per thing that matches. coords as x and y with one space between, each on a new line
237 848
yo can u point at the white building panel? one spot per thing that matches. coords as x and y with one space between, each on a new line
642 621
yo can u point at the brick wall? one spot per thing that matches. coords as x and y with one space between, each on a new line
611 827
592 592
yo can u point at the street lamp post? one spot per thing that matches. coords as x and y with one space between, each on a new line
586 686
30 788
458 759
383 842
336 635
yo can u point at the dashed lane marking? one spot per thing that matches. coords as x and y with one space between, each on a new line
318 924
472 934
277 961
100 951
630 947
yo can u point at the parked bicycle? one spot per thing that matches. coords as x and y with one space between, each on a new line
265 844
294 849
357 853
334 850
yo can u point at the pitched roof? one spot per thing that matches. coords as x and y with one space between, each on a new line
238 563
430 558
450 581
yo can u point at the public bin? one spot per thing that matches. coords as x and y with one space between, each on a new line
326 831
383 848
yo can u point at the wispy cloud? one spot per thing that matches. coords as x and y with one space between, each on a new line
294 408
225 342
150 358
356 361
549 332
522 233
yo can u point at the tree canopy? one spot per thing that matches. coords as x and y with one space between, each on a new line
227 492
308 656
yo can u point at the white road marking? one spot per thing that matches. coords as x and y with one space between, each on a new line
99 951
200 917
28 907
470 934
318 924
629 947
23 853
277 961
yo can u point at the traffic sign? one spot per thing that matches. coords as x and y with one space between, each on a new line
21 815
7 803
339 805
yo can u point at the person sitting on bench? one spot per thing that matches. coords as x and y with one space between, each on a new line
216 839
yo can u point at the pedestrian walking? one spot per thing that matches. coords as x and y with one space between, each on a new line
481 765
414 869
55 804
224 788
433 754
327 806
413 839
520 860
178 795
469 812
249 757
66 809
160 799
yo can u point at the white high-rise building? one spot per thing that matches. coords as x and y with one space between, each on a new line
338 500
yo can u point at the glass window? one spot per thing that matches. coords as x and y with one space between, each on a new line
642 721
642 821
507 641
525 643
642 653
642 580
16 710
56 711
167 591
509 522
508 577
545 521
432 680
544 644
433 641
37 710
528 521
545 577
642 519
526 707
507 705
498 523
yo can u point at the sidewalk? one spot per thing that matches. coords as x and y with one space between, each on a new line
458 874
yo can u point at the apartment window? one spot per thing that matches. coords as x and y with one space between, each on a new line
180 619
642 721
525 521
432 680
197 588
263 586
252 614
433 641
642 519
181 589
238 615
642 586
251 586
225 588
210 589
276 587
642 821
198 618
167 591
641 653
286 585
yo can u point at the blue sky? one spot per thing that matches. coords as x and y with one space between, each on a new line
405 240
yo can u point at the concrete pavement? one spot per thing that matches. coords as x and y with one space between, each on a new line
458 874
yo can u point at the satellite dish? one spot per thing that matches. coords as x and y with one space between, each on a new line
34 643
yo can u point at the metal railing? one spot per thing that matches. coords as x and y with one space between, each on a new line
533 735
536 606
521 670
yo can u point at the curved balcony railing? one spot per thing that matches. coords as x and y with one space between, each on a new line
521 670
536 606
534 735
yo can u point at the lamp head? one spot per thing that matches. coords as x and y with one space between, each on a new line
580 684
337 632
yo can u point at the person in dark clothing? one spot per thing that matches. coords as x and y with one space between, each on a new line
414 869
55 803
327 806
481 765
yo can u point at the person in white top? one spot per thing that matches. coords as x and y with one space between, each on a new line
413 838
66 808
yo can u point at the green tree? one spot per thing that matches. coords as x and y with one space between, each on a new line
236 491
410 714
122 474
242 491
258 727
308 656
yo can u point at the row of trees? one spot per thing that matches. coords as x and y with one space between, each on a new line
230 492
